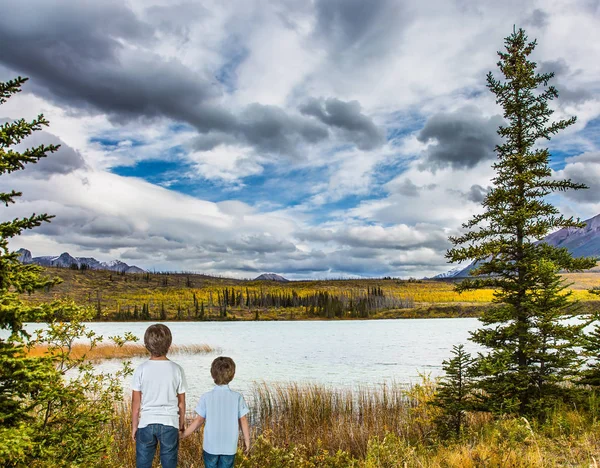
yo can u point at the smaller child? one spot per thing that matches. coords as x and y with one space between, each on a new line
224 412
159 392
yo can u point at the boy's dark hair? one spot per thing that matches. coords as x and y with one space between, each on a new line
222 370
157 339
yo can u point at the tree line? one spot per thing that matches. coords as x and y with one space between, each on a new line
221 302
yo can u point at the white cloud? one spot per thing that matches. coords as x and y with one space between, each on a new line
404 62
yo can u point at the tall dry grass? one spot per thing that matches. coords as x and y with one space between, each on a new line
335 419
312 415
309 426
113 351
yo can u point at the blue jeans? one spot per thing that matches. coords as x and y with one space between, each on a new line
146 440
218 461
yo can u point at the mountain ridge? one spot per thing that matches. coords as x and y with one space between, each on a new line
65 260
580 242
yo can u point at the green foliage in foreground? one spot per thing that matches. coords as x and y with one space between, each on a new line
531 350
454 395
51 408
591 345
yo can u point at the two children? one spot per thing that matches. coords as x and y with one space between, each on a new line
159 391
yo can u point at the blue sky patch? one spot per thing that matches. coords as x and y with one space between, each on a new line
113 143
236 53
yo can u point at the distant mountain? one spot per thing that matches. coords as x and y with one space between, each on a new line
271 277
25 256
65 260
584 242
449 274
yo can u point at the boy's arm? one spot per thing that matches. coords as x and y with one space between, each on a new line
245 432
195 424
181 406
136 398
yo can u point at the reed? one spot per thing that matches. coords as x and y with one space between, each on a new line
310 426
104 351
334 419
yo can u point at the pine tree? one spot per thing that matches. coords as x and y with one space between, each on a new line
503 242
16 278
453 395
554 357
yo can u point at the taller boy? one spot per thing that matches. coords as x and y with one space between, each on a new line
159 389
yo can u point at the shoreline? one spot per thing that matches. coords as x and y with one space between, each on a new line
440 311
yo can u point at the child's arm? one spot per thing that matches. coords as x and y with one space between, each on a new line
245 432
181 406
136 398
196 423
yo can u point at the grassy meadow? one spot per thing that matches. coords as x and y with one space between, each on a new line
180 296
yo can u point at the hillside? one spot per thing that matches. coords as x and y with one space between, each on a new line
583 242
117 296
271 277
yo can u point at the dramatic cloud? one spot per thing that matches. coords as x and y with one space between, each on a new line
476 193
346 116
584 169
461 139
270 129
100 56
63 161
538 18
400 237
315 139
364 29
562 73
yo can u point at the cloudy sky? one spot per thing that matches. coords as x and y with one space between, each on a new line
313 138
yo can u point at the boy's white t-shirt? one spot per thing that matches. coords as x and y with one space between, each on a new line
160 381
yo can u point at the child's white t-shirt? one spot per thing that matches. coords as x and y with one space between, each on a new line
160 381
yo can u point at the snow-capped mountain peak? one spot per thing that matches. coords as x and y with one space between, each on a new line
65 260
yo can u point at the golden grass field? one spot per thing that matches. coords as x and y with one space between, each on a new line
114 295
112 351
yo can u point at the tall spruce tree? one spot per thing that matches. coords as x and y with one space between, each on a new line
529 347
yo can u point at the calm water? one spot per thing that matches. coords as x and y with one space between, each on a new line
340 354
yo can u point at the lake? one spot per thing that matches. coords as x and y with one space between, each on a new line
335 353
